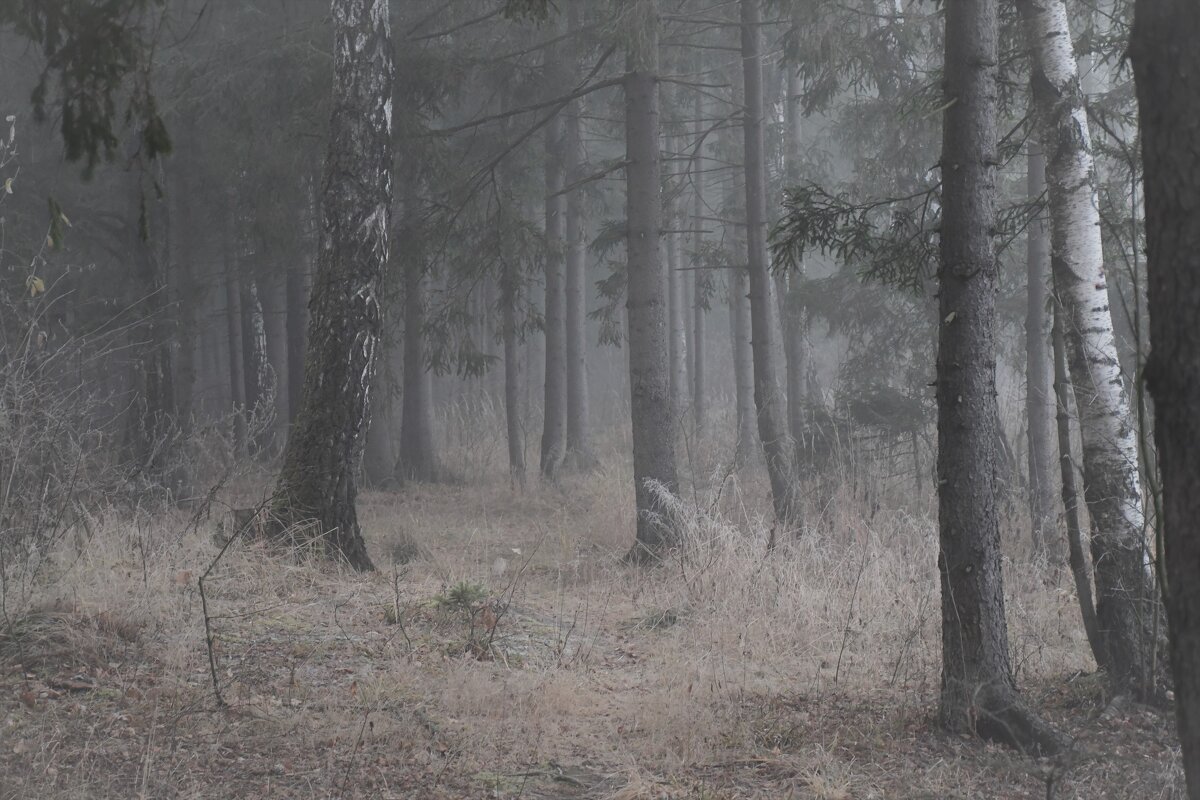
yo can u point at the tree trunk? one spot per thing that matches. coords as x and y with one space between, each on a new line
676 307
1166 68
743 365
794 321
1077 557
700 280
418 457
649 378
1125 603
554 406
233 317
579 445
768 397
379 457
978 693
273 296
510 287
259 379
297 326
1037 370
317 482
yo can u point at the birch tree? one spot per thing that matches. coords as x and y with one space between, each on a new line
317 481
1166 65
1125 603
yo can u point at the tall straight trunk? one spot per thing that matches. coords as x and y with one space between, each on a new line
649 377
418 457
509 292
768 397
677 344
700 281
297 326
273 297
743 365
317 482
978 692
579 445
1038 408
795 325
1126 605
554 408
259 380
1166 68
233 317
1076 555
187 297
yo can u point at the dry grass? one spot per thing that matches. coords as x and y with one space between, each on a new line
809 673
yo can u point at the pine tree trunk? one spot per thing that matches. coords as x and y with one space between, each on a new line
418 457
554 406
579 445
1126 605
1038 407
978 693
1166 66
676 307
649 377
769 400
317 482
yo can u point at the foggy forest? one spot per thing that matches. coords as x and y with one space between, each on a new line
600 399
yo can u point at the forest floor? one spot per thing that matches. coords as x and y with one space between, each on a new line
517 657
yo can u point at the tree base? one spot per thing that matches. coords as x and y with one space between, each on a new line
999 715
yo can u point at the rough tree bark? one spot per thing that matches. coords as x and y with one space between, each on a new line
554 406
1126 606
649 379
1038 407
769 400
978 693
1166 65
317 482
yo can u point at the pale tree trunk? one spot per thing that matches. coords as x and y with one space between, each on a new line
554 405
317 483
417 461
1038 407
1166 64
768 396
1126 605
978 692
579 445
677 307
273 297
649 377
254 358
